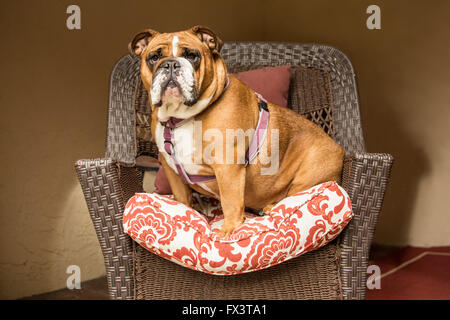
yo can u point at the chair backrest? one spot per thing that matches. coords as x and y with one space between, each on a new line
323 89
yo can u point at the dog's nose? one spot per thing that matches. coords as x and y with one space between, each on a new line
171 65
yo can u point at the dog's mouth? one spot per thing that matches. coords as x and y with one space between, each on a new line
171 89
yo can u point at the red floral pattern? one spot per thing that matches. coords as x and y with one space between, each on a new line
300 223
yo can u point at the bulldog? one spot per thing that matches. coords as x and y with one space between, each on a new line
192 95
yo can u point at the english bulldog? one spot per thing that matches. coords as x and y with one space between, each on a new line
198 112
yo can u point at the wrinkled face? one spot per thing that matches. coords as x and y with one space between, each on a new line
182 71
174 65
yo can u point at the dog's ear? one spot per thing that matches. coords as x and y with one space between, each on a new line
140 41
208 37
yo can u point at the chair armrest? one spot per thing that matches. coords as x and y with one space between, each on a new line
365 177
105 197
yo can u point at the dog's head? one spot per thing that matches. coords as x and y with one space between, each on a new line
183 72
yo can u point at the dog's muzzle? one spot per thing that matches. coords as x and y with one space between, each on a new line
175 75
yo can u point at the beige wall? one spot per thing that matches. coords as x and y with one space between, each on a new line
404 88
54 89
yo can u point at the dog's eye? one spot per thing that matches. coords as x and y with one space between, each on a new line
191 56
154 58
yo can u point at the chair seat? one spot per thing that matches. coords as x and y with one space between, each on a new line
300 223
313 275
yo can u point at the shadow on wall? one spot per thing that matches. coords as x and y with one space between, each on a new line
410 166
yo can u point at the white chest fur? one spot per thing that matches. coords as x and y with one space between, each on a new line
183 140
184 149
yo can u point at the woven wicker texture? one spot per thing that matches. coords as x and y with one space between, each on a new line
144 143
365 178
130 179
99 180
156 278
120 135
310 94
322 88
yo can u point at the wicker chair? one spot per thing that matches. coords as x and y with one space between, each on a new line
323 88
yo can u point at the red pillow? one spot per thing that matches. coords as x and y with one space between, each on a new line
270 82
162 185
297 224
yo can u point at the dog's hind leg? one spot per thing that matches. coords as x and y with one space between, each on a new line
320 164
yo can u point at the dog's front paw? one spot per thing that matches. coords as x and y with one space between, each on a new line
268 208
228 228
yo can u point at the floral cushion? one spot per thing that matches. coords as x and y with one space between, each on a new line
297 224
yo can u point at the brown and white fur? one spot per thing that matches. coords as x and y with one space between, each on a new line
185 77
